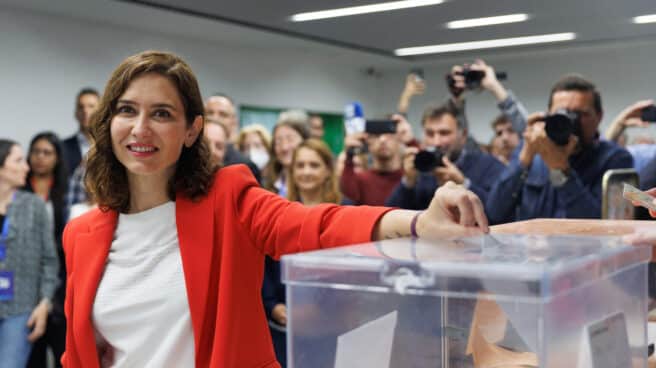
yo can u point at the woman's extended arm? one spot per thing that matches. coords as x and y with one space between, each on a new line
454 211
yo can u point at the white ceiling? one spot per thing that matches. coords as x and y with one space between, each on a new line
362 39
592 20
224 34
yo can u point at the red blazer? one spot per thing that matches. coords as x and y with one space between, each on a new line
223 240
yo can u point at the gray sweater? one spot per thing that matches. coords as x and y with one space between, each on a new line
31 254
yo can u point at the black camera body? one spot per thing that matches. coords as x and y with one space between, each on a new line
378 127
560 125
473 77
648 114
428 160
373 127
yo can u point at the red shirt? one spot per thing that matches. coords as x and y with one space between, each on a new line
368 187
223 240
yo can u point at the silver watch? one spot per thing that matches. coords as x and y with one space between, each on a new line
557 177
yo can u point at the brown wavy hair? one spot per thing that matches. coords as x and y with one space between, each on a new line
330 192
106 178
274 168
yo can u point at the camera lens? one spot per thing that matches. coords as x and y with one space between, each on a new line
560 125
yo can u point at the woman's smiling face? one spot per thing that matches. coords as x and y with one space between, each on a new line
149 128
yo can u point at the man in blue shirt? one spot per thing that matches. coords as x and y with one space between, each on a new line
474 169
548 180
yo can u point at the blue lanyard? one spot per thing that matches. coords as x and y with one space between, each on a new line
5 226
5 230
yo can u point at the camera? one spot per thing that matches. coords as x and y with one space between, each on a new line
473 78
427 160
373 127
561 124
648 114
380 127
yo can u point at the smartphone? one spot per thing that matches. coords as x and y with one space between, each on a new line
649 114
353 118
380 126
613 204
418 72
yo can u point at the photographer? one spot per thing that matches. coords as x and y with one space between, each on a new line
444 140
561 163
480 75
632 117
372 186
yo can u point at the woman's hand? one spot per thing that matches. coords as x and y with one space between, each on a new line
38 320
279 314
651 192
453 211
644 237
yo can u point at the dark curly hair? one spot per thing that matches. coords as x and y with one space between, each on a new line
106 178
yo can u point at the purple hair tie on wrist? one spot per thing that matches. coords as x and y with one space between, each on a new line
413 225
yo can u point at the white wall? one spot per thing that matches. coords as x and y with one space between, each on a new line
623 72
46 59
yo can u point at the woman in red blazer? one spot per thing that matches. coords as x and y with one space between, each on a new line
147 155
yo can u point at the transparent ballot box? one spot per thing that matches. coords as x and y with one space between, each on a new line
495 301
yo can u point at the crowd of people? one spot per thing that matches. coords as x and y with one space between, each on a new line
150 108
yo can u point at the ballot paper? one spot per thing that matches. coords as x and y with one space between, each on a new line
636 195
606 344
369 345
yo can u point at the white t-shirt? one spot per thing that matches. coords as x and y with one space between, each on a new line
141 312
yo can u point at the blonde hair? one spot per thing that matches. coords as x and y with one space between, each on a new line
296 116
329 192
258 129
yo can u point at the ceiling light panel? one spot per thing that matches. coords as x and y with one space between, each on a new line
487 21
651 18
486 44
363 9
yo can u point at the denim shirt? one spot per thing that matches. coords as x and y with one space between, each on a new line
522 194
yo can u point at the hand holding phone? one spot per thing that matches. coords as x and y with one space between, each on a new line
414 83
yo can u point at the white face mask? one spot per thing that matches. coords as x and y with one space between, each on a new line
260 157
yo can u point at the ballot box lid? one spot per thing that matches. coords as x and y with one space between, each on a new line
505 265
